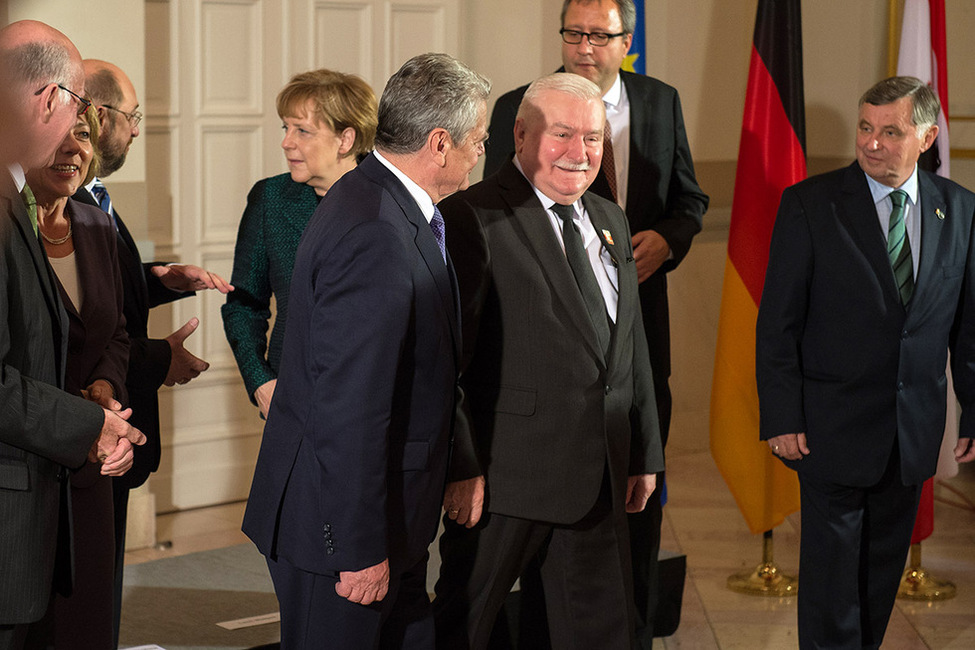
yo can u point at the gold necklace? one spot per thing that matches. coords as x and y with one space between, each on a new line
59 241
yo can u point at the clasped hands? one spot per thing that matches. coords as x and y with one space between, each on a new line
113 448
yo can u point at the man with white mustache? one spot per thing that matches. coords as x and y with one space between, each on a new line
558 389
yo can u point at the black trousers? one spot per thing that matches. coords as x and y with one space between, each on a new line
854 545
584 571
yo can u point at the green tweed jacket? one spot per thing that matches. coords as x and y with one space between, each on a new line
278 209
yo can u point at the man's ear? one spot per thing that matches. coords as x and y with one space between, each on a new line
48 102
438 142
519 132
929 137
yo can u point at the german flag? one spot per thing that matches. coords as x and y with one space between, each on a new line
771 157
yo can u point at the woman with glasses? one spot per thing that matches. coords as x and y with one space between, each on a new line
80 243
329 119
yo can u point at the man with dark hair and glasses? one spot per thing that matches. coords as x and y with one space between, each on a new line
152 362
647 169
44 431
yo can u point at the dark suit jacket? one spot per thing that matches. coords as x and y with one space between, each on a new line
149 359
42 428
838 356
278 209
662 191
354 455
547 411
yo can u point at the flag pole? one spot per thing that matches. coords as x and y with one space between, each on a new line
893 37
766 579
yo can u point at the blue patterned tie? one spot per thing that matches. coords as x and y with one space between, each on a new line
100 192
440 232
899 247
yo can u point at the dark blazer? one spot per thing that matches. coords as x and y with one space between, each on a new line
42 428
354 456
98 348
662 191
547 411
149 359
278 209
838 356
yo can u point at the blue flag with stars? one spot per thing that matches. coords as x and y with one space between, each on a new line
635 60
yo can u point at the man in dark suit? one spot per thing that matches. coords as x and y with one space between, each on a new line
43 430
870 281
152 362
351 471
558 390
655 184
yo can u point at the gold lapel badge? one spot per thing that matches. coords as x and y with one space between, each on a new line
608 236
939 214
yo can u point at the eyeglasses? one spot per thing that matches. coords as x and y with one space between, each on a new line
134 117
597 39
83 104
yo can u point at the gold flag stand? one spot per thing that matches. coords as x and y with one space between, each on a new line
766 579
918 584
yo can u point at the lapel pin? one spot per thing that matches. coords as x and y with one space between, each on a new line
940 214
608 236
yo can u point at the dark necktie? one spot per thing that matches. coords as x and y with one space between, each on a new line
899 247
440 232
609 161
31 204
100 192
582 270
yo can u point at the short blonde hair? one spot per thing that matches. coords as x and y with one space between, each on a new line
340 101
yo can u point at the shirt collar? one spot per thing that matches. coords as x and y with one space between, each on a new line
17 173
419 195
879 191
91 185
613 96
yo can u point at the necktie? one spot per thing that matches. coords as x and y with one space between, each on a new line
609 163
582 270
899 247
440 232
31 203
100 192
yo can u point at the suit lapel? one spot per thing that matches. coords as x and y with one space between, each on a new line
424 239
932 204
640 109
857 210
532 219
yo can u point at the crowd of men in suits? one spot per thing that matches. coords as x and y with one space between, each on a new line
502 351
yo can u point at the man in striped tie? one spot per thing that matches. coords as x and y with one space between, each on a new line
870 281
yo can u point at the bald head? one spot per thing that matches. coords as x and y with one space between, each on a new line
35 59
113 94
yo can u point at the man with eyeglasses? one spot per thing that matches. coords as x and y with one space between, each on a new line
152 362
44 431
648 172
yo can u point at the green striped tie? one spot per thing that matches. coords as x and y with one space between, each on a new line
31 204
899 247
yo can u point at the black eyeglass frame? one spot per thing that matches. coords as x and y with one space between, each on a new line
588 36
84 103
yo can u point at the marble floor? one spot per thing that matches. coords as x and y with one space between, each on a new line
703 522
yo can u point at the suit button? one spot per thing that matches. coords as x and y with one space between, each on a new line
608 389
327 528
905 334
900 385
329 551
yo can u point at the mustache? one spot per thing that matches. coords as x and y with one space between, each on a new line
574 167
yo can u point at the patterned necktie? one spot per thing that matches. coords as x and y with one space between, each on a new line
440 232
609 162
582 270
31 204
100 192
899 247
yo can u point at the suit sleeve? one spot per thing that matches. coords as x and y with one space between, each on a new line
686 202
248 308
363 308
962 343
501 140
781 322
159 293
112 366
468 245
